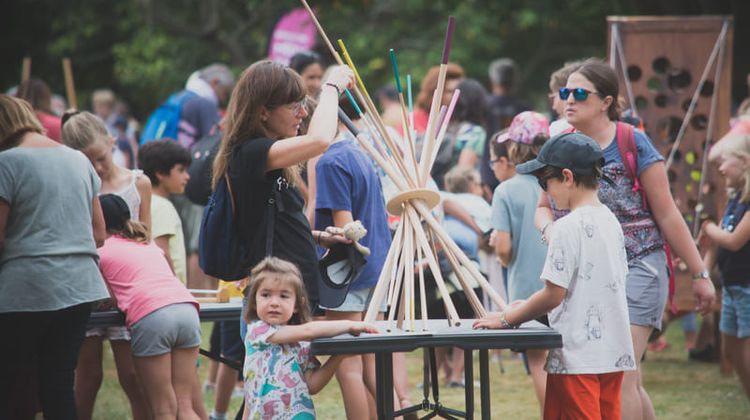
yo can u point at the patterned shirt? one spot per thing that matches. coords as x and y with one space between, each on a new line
586 256
642 235
275 386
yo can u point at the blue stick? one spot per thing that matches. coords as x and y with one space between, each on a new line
395 71
354 103
408 90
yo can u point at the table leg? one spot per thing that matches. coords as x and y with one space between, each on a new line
484 383
384 385
469 383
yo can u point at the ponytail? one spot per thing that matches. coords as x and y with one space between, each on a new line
134 231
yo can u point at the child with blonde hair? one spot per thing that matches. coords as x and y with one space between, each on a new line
280 373
88 133
730 250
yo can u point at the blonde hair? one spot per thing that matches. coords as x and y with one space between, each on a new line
519 153
81 129
134 231
739 146
287 272
16 119
458 180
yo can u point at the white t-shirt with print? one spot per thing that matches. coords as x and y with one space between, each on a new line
586 256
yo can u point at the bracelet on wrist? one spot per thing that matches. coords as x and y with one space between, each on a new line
338 89
504 322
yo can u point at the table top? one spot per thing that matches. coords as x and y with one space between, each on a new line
228 311
531 335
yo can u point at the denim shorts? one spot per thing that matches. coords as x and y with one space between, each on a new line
735 311
175 326
647 289
358 301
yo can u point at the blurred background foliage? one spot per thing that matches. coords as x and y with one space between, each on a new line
146 49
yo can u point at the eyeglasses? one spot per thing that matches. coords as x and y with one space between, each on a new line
579 94
297 107
492 163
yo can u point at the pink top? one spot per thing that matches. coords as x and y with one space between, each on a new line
140 278
52 124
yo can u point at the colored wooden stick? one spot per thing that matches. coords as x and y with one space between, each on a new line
422 293
444 127
409 147
411 107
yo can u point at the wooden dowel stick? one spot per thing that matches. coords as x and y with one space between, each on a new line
409 279
25 69
429 137
438 229
70 88
434 266
322 33
445 124
472 297
384 281
422 292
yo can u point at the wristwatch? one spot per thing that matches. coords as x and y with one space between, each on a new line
702 275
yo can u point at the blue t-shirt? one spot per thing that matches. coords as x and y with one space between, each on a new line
513 206
347 181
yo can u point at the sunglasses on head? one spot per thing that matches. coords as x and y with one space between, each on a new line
579 94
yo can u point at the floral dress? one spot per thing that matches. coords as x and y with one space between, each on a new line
275 386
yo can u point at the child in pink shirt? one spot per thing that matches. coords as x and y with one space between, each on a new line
159 311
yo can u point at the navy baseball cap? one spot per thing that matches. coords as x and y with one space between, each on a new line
339 268
575 151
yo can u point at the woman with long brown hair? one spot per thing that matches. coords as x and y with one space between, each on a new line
261 153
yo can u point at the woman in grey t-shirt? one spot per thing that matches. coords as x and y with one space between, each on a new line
50 226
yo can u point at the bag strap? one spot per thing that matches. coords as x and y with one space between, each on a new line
629 156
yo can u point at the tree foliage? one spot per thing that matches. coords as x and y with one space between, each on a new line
145 49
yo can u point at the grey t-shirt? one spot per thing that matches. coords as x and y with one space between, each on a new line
49 260
513 207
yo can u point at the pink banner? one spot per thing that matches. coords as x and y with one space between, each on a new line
294 32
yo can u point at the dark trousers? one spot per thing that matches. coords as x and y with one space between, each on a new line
38 355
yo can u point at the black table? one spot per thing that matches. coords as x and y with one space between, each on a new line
531 335
209 312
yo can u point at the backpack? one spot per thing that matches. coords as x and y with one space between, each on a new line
198 188
629 155
163 122
221 250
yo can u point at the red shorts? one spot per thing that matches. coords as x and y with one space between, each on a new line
583 396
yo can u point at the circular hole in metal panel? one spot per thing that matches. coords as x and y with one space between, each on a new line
707 89
679 79
634 73
699 122
654 84
641 103
661 100
661 65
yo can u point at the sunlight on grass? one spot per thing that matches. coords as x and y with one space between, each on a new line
679 389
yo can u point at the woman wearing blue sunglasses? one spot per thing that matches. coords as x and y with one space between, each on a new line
590 97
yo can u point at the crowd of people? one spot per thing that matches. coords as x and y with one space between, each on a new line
563 224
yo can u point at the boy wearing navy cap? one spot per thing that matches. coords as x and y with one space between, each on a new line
584 293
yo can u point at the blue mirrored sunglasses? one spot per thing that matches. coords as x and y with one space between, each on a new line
579 94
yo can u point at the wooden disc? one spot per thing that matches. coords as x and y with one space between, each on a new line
429 197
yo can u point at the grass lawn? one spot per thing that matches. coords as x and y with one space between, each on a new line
679 389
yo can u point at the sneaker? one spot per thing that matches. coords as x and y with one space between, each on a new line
208 386
238 392
455 384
